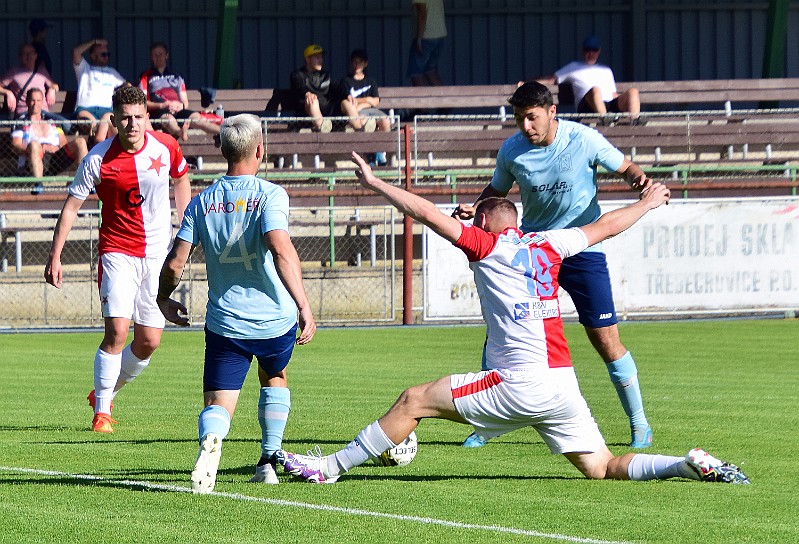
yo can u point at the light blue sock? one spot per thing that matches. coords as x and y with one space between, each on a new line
213 419
624 376
274 405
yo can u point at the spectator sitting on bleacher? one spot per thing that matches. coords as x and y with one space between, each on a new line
96 84
39 137
314 95
362 99
18 80
593 84
167 99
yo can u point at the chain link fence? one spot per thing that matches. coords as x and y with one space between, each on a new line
348 260
346 245
701 149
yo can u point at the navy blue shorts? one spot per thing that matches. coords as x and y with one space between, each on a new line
426 62
227 360
586 278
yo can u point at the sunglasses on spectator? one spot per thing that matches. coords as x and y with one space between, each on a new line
105 54
590 49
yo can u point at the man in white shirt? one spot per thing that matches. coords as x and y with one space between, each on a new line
593 84
96 84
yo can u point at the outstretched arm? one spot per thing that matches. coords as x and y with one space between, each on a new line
287 265
417 207
171 272
617 221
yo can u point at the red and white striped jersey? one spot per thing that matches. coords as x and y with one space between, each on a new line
134 190
517 279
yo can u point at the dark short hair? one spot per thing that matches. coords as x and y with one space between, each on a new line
159 44
33 90
359 54
531 95
124 96
498 204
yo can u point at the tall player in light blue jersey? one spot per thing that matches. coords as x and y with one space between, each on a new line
554 163
256 297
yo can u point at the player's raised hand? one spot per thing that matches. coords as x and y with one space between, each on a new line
364 171
655 194
464 212
173 311
307 327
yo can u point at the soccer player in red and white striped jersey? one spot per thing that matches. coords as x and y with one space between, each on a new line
131 176
529 381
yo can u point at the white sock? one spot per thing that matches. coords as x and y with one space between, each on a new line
369 443
645 466
132 366
106 374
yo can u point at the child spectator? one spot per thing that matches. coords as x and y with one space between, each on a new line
361 101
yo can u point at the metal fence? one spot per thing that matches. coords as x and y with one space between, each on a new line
348 262
347 245
699 149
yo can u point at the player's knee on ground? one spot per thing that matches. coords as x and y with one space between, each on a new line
594 466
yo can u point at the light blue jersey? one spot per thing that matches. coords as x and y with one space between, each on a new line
246 298
557 182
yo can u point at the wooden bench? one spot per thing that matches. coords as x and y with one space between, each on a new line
726 94
716 93
306 150
768 139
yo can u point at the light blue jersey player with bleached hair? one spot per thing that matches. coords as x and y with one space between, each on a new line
554 163
256 298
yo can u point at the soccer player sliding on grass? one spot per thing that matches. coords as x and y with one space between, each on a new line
530 381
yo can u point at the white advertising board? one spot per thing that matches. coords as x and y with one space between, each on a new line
693 256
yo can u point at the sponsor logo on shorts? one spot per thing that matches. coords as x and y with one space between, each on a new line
605 316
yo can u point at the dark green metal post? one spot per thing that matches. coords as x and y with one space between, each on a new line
225 43
774 51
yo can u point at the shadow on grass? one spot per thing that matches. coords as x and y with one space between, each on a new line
112 481
124 479
306 441
59 428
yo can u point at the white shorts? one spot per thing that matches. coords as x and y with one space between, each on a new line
496 402
128 286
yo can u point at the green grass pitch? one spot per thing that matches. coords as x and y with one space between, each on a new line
727 386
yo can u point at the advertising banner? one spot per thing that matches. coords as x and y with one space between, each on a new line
690 257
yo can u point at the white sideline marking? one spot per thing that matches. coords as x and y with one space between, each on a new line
322 507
